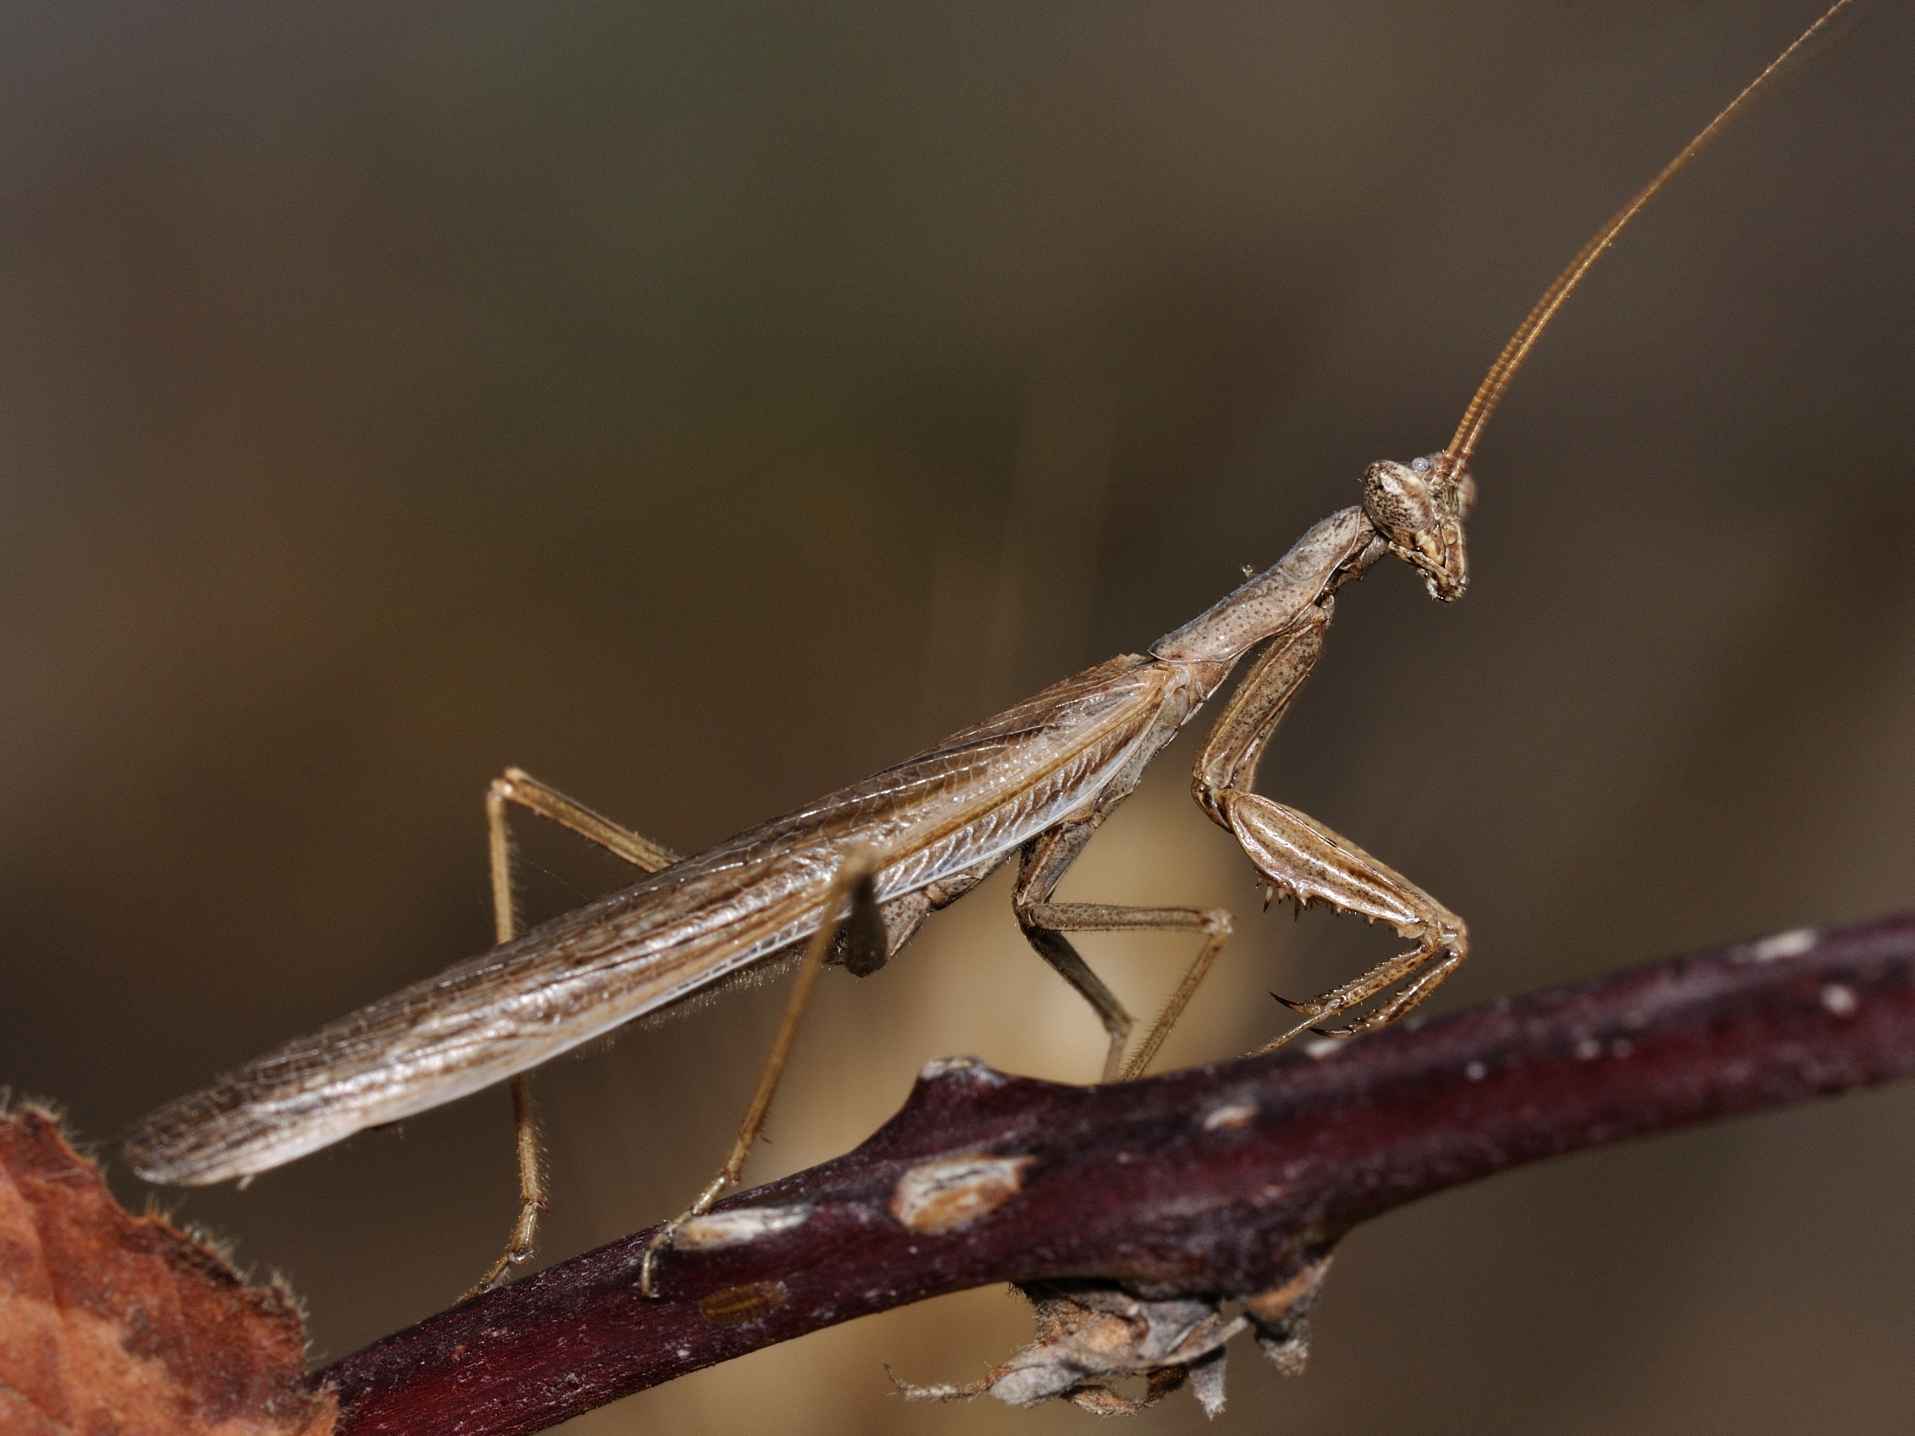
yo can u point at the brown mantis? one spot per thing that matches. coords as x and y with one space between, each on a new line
876 858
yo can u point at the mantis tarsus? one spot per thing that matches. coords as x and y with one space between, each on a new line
1034 783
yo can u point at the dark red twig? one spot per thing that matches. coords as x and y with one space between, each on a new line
1223 1181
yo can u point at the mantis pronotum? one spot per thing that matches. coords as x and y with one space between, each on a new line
1031 785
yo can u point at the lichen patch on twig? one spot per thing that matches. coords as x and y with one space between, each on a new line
950 1193
714 1230
1229 1116
1774 948
732 1305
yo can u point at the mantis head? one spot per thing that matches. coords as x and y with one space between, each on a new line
1418 509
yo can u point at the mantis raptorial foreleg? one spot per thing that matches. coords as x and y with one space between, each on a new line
515 785
863 932
1041 867
1302 859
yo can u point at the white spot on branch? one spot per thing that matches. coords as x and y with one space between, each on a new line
950 1193
1839 1000
970 1069
1230 1116
734 1228
1793 943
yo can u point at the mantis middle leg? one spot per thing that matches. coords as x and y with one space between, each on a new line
1042 866
864 935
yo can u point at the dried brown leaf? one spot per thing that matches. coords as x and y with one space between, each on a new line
111 1322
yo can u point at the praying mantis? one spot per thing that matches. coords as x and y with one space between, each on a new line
852 876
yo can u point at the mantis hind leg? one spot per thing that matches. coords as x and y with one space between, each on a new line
517 787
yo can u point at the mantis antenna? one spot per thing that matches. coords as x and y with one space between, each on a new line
1490 392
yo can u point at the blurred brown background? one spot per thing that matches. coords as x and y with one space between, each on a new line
704 405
